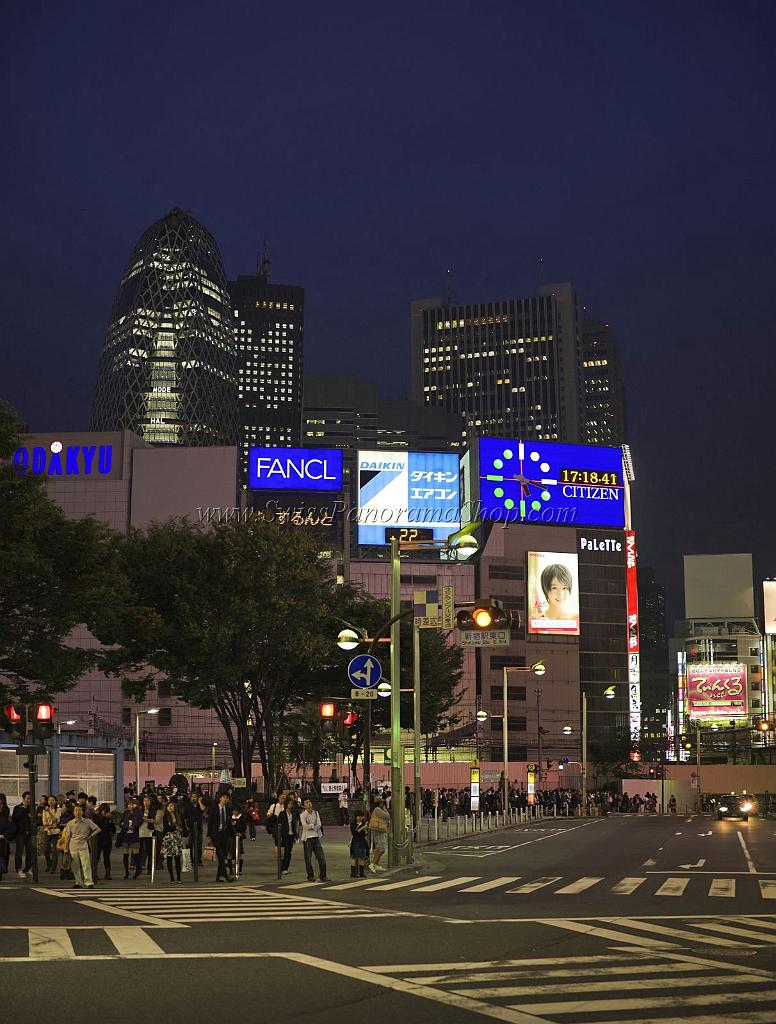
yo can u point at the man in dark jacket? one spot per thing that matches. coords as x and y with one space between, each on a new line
22 821
221 834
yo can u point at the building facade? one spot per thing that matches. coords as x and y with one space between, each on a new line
602 391
168 370
268 320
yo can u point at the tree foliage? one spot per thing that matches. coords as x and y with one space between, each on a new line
55 573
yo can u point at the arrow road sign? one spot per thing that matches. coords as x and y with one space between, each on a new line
364 671
687 867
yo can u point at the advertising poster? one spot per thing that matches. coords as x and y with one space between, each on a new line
295 469
416 493
547 482
769 603
716 691
553 593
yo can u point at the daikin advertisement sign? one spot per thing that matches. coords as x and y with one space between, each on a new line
295 469
414 493
545 482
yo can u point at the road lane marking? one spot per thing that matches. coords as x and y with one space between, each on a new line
405 883
50 944
493 883
133 942
438 886
673 887
747 854
581 988
580 885
728 929
607 933
767 888
625 971
458 965
649 863
539 883
627 886
650 926
722 887
356 883
654 1002
109 908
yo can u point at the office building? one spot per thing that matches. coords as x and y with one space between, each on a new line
168 369
656 683
340 412
268 321
602 392
530 368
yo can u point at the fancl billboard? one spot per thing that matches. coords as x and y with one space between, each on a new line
545 482
417 491
295 469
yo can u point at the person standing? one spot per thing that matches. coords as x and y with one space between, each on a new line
145 834
221 834
359 844
288 832
312 834
170 825
104 842
21 820
5 831
342 804
379 825
129 835
51 829
77 834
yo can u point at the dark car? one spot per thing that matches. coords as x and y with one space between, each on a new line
734 807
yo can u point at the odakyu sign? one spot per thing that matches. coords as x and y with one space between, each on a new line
295 469
70 460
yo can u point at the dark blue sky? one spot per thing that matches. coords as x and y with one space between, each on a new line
631 146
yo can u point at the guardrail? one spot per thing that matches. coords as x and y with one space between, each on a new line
435 830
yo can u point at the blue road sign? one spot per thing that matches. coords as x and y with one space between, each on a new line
365 671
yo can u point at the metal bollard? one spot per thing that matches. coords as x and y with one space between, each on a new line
457 825
236 856
153 858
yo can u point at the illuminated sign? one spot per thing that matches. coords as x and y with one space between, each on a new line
295 469
611 545
553 593
716 691
58 460
769 596
407 490
545 482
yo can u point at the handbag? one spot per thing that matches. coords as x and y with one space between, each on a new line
185 859
377 824
63 842
269 824
209 853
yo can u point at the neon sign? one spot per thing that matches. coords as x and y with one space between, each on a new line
75 460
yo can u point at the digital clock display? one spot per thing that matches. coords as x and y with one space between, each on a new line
408 534
589 476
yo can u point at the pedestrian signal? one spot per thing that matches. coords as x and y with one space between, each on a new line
15 716
43 721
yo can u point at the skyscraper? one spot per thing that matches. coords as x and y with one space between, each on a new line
603 398
268 321
168 366
529 368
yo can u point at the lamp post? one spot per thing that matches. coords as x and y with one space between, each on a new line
148 711
538 669
609 694
213 746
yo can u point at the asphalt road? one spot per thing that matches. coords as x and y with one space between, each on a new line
559 921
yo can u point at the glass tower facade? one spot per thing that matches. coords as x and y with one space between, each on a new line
168 369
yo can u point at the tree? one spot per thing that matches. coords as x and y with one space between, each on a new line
55 573
233 616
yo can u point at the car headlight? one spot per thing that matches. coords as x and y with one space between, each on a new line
723 808
746 807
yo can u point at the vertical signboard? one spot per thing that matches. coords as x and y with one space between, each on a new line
769 604
474 786
634 669
716 691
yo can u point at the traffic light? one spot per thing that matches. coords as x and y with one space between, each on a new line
350 719
685 741
763 725
328 714
652 772
487 614
43 721
16 721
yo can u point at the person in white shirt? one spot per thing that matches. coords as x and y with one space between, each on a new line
78 832
312 832
342 803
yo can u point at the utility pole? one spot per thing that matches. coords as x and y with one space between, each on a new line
416 721
397 753
539 735
698 761
505 739
584 748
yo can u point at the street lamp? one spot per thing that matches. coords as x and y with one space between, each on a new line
609 694
147 711
538 668
213 746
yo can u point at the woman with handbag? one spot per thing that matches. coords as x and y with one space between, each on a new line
50 822
172 828
146 835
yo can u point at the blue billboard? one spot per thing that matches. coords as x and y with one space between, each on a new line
546 482
295 469
415 495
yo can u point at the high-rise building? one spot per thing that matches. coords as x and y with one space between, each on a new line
656 682
340 412
168 367
510 368
268 321
530 368
603 396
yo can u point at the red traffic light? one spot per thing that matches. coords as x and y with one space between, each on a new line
328 710
12 714
350 718
44 712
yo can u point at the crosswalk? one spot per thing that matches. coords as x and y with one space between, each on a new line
56 943
647 885
640 987
219 903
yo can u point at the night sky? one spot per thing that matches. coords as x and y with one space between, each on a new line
629 146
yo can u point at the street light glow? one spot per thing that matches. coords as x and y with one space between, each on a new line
348 639
152 711
538 668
